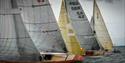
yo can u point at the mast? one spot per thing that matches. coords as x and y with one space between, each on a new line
17 44
69 36
101 31
42 26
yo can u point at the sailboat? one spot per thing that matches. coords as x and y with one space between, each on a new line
74 24
99 29
72 19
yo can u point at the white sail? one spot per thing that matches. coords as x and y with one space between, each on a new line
15 42
100 29
80 24
42 26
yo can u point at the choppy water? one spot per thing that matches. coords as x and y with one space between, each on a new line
114 58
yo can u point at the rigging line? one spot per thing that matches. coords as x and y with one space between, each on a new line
34 5
39 23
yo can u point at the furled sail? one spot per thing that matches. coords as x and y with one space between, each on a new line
15 42
67 31
100 29
80 24
42 26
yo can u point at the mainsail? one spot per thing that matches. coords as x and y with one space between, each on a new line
80 24
15 42
42 26
100 29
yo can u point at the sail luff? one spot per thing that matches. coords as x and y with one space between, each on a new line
102 34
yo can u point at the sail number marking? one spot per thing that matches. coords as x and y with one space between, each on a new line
76 6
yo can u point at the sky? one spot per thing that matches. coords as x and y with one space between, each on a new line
113 12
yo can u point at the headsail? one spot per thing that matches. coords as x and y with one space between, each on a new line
100 29
42 26
67 31
15 42
80 24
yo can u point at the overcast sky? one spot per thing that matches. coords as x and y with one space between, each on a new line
113 12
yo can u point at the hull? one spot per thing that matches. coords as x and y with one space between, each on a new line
95 53
54 59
